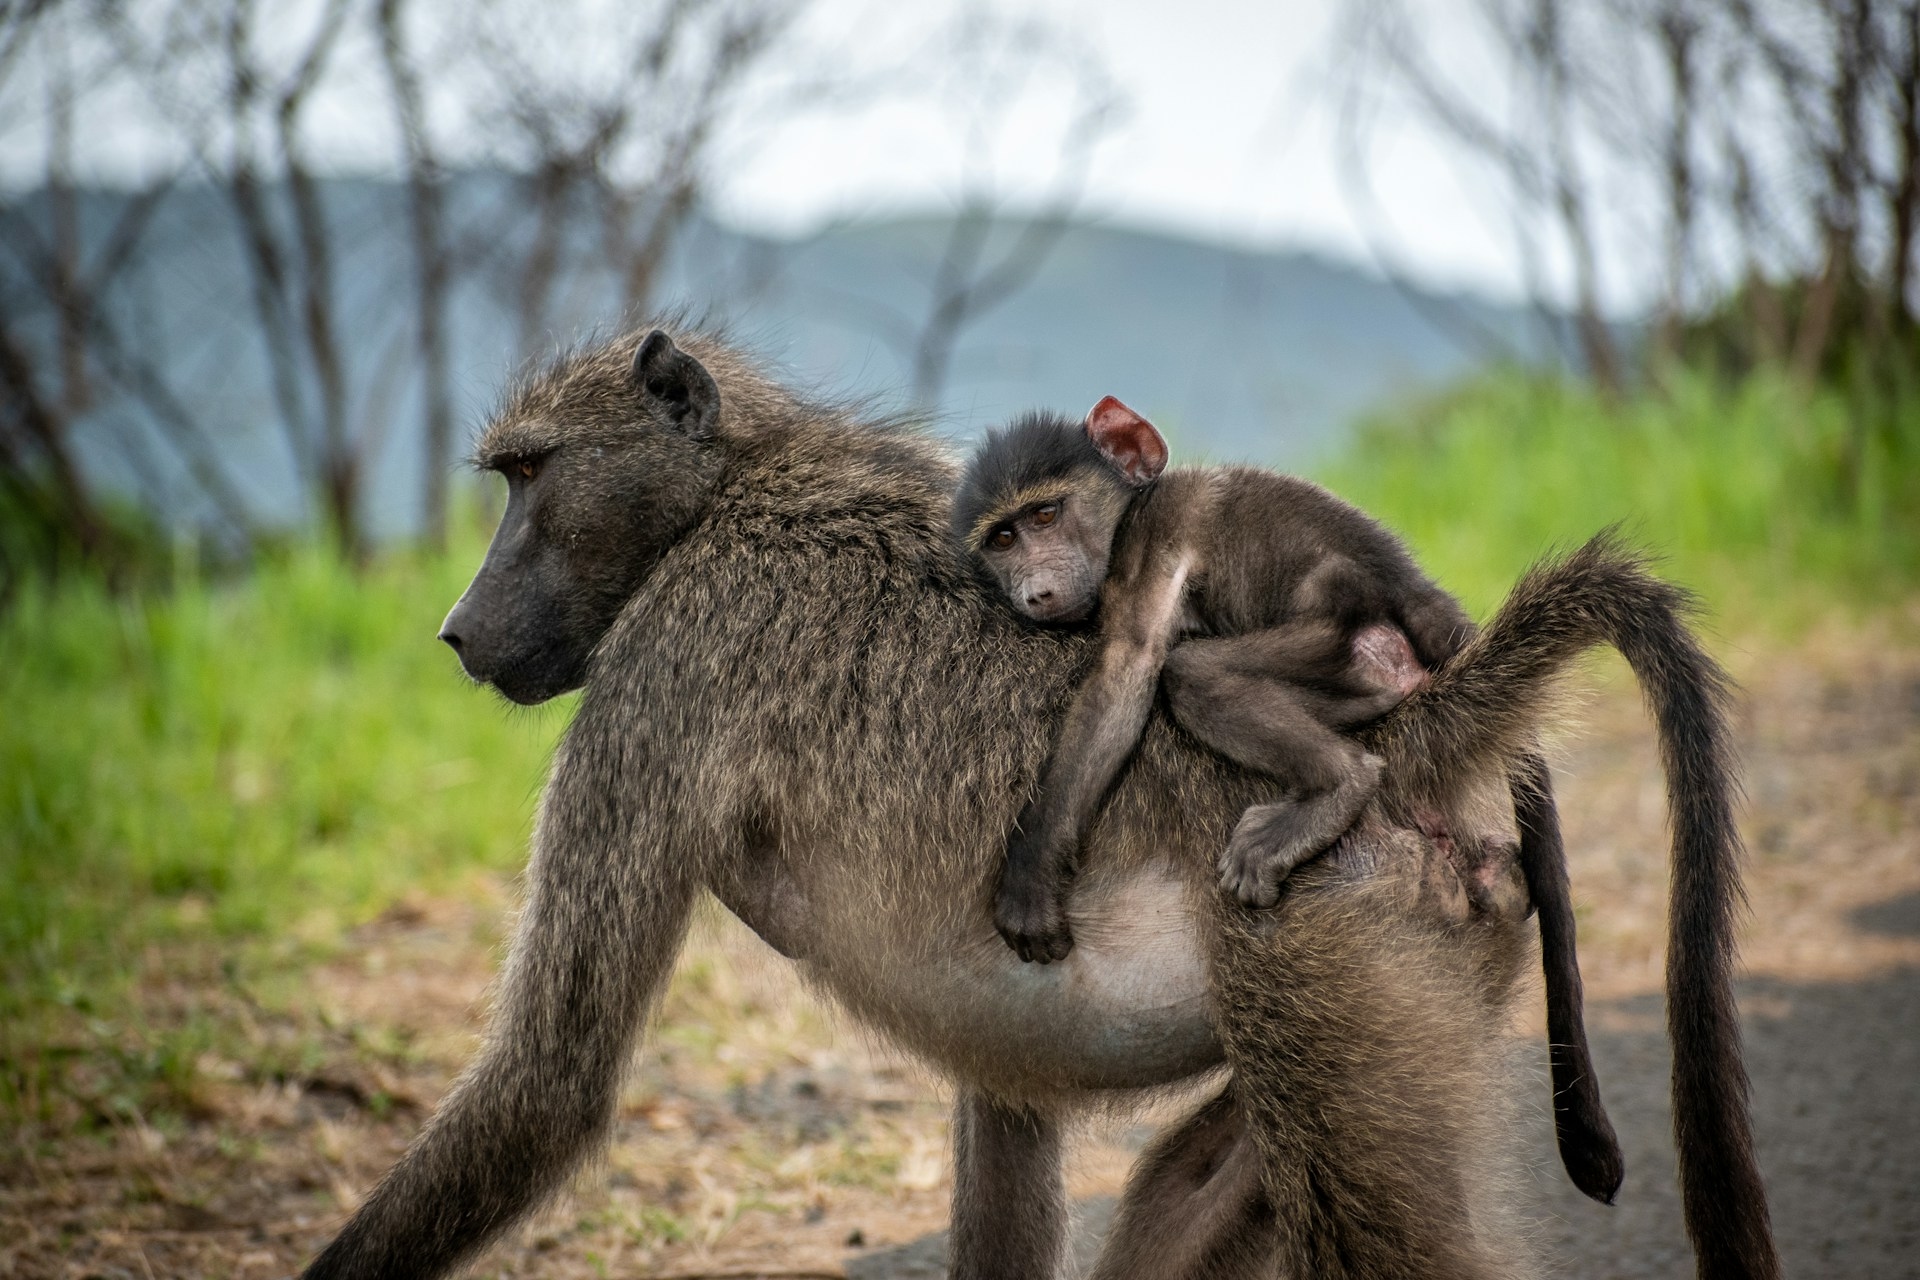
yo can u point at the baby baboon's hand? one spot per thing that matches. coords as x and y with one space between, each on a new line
1030 912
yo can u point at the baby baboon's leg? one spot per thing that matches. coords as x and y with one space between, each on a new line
1273 725
1009 1205
1194 1207
1270 840
1344 680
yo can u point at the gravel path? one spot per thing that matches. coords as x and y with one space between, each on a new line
763 1134
1836 1088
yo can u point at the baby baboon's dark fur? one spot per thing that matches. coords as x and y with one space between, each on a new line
797 698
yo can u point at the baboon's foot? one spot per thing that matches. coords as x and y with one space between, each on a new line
1271 840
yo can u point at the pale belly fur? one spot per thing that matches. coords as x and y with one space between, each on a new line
1127 1009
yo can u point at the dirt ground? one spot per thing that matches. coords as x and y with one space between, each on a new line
762 1135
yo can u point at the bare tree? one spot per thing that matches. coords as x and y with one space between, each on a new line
1843 156
1905 193
1677 30
433 260
66 274
983 71
293 267
1535 151
608 168
1544 38
625 150
1806 194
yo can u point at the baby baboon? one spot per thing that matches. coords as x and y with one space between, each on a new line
1306 607
1283 619
798 698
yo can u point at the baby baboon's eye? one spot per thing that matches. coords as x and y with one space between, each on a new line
1002 537
1045 515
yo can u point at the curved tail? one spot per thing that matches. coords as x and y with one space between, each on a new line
1482 711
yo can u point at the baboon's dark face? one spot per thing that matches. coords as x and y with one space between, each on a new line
594 499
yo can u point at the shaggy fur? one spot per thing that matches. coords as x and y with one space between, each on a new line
798 698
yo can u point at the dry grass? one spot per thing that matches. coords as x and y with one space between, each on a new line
760 1132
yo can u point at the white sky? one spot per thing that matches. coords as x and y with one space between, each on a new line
1228 132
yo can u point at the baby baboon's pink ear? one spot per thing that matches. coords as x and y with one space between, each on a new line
1127 440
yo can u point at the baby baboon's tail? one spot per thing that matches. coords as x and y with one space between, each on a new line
1482 712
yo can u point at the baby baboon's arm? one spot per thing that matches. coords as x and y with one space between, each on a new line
1103 725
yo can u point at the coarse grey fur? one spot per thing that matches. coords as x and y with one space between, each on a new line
797 698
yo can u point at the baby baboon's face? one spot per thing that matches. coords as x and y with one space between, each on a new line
1051 558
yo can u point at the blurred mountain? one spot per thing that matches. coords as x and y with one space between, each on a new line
1238 354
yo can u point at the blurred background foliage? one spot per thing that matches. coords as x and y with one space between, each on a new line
229 733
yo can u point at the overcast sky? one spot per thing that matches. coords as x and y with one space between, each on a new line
1227 130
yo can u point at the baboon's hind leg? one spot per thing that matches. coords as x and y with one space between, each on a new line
1374 1075
1195 1208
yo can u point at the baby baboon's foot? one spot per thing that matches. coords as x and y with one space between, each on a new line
1273 839
1266 846
1031 916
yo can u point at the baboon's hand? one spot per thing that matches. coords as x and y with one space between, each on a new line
1029 910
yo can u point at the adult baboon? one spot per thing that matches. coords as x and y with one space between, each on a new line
798 698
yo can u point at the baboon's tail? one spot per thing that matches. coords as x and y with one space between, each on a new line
1483 710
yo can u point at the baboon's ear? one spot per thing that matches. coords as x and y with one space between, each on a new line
677 386
1127 440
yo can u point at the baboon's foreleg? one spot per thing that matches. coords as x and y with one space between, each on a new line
1194 1207
1009 1204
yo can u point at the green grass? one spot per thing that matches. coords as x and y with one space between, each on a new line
1750 492
226 768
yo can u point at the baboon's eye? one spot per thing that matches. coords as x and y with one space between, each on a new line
1045 515
526 467
1002 537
